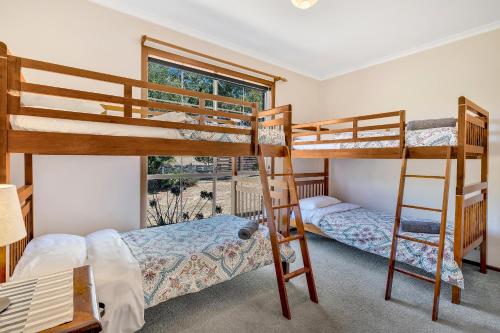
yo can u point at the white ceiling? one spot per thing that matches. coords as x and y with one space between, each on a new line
332 38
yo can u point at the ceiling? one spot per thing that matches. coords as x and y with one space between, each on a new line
332 38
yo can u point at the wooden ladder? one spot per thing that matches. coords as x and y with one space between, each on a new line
268 191
442 232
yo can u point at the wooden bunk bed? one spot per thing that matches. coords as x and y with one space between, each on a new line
36 139
472 133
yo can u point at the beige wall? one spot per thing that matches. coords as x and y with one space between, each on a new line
426 85
81 194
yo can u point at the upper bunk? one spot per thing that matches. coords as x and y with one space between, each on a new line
385 135
55 116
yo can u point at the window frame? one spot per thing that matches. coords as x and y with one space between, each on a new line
204 68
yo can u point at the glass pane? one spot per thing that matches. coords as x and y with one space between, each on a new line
223 197
197 198
164 200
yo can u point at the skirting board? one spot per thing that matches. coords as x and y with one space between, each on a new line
470 262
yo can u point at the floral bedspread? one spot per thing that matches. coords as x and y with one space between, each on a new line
371 231
431 137
266 136
184 258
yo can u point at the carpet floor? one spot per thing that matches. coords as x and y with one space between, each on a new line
350 286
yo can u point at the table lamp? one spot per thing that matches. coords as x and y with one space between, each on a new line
12 226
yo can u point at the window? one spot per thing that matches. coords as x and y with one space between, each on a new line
188 188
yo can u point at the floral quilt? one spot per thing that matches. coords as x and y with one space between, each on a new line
187 257
266 136
431 137
371 231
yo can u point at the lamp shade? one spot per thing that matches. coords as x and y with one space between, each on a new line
11 218
304 4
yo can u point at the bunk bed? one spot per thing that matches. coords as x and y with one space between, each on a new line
387 139
174 129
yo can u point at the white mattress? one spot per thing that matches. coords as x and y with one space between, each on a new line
432 137
44 124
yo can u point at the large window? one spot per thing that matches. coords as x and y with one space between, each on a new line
189 188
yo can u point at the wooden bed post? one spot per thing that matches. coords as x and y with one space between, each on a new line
326 176
484 178
459 199
4 155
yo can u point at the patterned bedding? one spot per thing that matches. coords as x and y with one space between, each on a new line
371 231
44 124
184 258
432 137
266 136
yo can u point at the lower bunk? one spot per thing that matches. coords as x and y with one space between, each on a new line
371 231
139 269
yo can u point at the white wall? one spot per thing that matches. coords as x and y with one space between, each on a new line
81 194
426 85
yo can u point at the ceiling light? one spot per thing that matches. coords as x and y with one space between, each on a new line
304 4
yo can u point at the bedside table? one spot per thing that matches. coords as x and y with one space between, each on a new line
86 312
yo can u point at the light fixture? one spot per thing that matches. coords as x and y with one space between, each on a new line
11 223
304 4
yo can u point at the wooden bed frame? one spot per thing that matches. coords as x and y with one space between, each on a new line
471 199
29 143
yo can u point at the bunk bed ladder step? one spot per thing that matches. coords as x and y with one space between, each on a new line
442 232
292 205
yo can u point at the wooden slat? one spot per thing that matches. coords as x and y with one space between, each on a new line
478 121
25 192
368 139
82 116
350 119
474 149
424 176
26 208
418 240
45 66
475 187
415 275
86 144
471 106
290 239
273 122
275 111
98 97
370 153
347 130
309 174
474 199
296 273
421 208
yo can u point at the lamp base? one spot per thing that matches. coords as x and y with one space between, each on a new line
4 303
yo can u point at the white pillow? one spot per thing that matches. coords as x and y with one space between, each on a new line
49 254
318 202
65 104
178 117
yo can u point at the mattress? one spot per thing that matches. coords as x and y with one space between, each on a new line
43 124
371 231
432 137
186 257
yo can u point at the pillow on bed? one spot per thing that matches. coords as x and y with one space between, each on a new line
431 123
66 104
177 117
50 254
318 202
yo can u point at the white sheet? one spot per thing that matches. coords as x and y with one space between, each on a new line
44 124
118 281
313 216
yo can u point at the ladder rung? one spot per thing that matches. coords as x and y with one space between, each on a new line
296 273
289 239
415 275
422 208
279 174
424 176
285 206
417 240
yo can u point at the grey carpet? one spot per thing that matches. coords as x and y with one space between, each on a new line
351 287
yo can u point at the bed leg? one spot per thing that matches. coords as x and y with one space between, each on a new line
286 267
455 295
483 266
